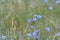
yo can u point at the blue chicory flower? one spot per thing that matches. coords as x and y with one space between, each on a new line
3 37
34 19
58 1
29 20
58 34
48 29
31 26
39 16
46 1
34 34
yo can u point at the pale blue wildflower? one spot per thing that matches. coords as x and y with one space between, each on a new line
58 34
46 1
38 16
34 35
34 19
48 29
3 37
58 1
29 20
31 26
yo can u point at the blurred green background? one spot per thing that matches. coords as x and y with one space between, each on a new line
14 15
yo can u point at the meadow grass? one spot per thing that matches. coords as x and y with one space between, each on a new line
15 13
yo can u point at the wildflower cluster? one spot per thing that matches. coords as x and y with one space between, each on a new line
57 1
48 29
34 34
51 7
38 17
33 20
